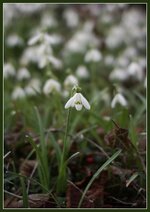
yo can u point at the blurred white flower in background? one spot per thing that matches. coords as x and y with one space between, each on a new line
50 86
109 60
78 101
57 63
115 37
33 87
45 38
135 70
42 55
81 39
14 40
29 8
118 74
48 21
82 72
93 55
46 59
23 73
130 52
18 93
70 81
71 17
119 99
29 55
122 62
8 70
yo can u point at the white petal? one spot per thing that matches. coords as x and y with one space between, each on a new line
78 97
70 103
34 39
85 102
78 107
113 103
122 100
119 98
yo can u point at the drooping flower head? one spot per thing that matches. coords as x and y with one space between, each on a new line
78 101
119 99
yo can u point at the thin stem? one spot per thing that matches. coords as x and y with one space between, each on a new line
64 154
62 178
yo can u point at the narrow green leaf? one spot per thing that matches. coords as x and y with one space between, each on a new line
73 156
111 159
128 182
24 193
56 147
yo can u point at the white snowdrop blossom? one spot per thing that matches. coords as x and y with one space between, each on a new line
50 86
79 42
93 55
78 101
14 40
119 99
57 63
82 72
135 70
118 74
70 81
18 93
23 73
45 38
33 87
71 18
48 20
9 70
109 60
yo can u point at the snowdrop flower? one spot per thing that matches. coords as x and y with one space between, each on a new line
30 91
46 59
80 41
118 74
57 63
14 40
109 60
135 70
29 8
45 38
71 18
36 38
93 55
116 36
119 99
48 21
82 72
18 93
70 81
50 86
78 101
122 61
23 73
9 70
33 87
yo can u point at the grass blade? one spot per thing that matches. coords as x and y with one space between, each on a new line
111 159
135 175
24 193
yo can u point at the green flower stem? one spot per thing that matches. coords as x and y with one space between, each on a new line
65 147
62 177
